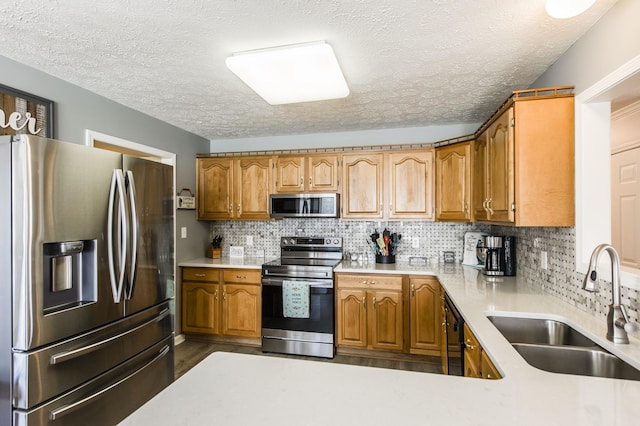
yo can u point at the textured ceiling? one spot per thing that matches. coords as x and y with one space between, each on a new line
408 62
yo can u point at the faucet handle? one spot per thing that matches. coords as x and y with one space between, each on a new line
631 327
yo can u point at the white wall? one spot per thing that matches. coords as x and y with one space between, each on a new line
345 139
606 55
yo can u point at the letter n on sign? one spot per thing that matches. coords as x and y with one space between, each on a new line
24 114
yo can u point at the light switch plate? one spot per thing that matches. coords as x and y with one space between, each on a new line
236 251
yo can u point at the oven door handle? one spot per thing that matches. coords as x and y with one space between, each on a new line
277 282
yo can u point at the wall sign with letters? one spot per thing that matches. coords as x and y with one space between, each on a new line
24 114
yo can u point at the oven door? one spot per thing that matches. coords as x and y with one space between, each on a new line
321 307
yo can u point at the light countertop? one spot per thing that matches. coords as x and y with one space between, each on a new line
230 389
225 262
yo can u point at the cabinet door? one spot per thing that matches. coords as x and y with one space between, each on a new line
289 174
322 173
425 315
487 368
472 350
480 178
362 186
200 308
500 151
241 310
410 185
453 182
351 318
253 187
385 320
214 188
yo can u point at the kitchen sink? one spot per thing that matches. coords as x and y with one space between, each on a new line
577 360
539 331
557 347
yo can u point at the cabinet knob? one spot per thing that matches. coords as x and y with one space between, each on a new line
374 302
241 277
224 295
301 182
413 289
310 181
364 302
200 275
468 345
215 295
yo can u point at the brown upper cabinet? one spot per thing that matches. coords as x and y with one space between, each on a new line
523 162
233 188
453 183
362 177
394 185
308 173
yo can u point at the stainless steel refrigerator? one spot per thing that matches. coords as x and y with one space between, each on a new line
86 282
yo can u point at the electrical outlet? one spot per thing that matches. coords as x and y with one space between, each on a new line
183 232
415 242
543 260
249 240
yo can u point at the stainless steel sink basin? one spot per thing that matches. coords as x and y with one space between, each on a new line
557 347
577 360
539 331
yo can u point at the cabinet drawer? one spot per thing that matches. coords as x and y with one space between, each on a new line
368 281
242 276
201 274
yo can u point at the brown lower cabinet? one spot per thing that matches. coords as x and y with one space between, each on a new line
476 360
369 312
399 313
224 302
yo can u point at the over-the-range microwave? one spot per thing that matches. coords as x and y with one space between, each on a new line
304 205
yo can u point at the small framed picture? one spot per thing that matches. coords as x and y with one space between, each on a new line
24 114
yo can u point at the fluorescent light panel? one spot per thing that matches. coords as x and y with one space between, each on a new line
564 9
289 74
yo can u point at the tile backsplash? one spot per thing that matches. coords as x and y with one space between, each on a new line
433 238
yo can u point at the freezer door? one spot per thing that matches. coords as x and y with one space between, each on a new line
150 269
109 398
60 197
53 370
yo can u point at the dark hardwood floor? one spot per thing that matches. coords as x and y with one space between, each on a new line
189 353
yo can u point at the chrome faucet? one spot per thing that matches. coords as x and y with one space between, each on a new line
618 323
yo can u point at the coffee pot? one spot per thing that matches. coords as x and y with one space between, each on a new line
499 255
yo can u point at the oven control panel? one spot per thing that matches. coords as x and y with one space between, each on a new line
311 242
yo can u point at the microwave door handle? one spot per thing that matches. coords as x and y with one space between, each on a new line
305 206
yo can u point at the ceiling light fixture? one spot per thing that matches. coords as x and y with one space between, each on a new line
302 72
563 9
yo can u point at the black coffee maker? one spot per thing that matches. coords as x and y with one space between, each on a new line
500 255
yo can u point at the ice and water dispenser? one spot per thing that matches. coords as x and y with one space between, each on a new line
70 274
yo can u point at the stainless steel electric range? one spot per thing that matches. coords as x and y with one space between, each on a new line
298 297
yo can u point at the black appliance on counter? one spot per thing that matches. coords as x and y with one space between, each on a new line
500 256
298 297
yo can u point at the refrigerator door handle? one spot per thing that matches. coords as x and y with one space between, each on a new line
134 234
70 408
61 357
117 184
